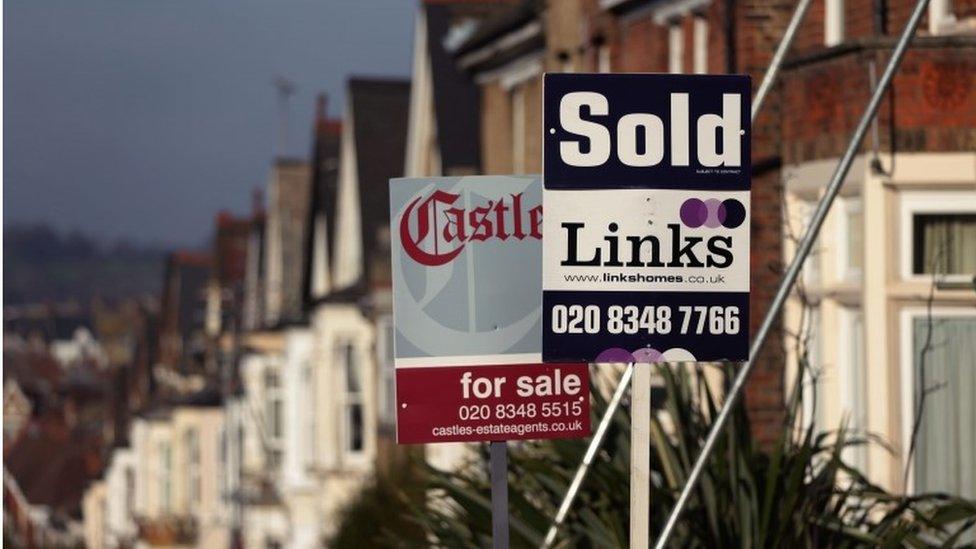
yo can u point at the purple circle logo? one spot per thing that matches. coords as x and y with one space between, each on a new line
712 213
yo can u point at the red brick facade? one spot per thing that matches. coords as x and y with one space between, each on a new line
811 112
930 107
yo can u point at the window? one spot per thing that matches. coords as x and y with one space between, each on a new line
273 414
701 44
852 377
833 22
165 476
944 243
192 466
310 411
936 235
940 351
384 350
222 463
852 239
353 428
676 47
130 491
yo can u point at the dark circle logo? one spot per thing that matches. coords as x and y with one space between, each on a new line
735 213
712 213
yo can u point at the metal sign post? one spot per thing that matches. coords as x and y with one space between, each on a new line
786 286
499 494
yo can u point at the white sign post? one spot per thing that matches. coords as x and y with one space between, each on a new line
640 456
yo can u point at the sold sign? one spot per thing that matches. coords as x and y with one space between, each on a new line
646 194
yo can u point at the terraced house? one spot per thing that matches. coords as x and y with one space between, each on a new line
276 351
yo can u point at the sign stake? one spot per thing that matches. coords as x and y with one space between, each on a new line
499 494
640 456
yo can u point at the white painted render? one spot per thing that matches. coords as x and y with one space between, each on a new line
884 293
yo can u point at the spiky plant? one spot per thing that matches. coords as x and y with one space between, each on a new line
799 493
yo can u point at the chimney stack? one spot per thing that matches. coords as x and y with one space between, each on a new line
257 202
321 104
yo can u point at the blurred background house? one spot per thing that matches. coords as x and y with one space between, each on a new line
256 400
887 304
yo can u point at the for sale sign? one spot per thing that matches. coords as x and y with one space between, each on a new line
647 218
467 277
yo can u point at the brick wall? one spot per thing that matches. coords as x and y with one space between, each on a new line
688 36
642 47
810 35
934 96
759 26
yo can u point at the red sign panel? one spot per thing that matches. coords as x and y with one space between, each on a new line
503 402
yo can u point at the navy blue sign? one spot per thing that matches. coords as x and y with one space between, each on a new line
662 131
647 218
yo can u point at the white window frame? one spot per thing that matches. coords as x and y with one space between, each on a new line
907 373
273 396
803 211
929 202
349 455
833 22
701 44
676 47
942 19
845 272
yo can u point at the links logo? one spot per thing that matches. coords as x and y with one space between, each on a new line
712 213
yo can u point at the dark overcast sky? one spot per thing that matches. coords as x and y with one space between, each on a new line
140 119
